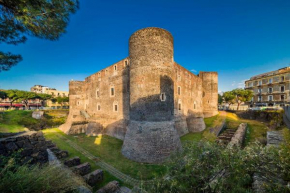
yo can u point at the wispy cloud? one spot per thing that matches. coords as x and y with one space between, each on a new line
193 70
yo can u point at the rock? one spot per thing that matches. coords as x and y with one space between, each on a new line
10 146
274 138
125 189
10 140
94 177
39 134
37 114
82 169
83 189
27 145
72 162
27 152
40 139
110 187
20 143
61 154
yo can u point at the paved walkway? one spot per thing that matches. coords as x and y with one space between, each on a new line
113 171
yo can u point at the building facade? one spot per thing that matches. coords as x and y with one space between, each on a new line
51 91
147 99
271 88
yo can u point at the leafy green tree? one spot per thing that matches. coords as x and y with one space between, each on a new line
45 19
220 99
26 96
43 97
62 100
242 95
229 97
12 95
3 94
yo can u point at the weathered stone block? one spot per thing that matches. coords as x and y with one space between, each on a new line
94 177
110 187
61 154
72 162
82 169
10 146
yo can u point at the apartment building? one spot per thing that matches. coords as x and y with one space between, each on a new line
271 88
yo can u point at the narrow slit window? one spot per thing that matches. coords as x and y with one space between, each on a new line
163 97
112 91
179 106
179 90
115 108
115 67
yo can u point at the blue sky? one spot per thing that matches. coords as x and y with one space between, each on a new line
236 38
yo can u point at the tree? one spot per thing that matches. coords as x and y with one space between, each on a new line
26 96
62 100
242 95
3 94
220 99
229 97
45 19
12 95
43 97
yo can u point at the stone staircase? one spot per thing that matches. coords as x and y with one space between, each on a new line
226 136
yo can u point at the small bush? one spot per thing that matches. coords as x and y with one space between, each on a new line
47 178
207 167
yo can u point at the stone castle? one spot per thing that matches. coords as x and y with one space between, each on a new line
147 99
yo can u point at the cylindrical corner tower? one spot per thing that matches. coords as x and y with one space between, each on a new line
151 136
210 93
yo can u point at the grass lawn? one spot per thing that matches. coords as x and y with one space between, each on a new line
6 128
109 150
50 134
256 129
18 120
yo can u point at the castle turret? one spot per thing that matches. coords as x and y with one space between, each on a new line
151 136
210 93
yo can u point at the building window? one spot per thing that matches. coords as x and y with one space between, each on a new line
179 90
260 82
99 107
270 81
115 67
282 88
116 108
126 63
162 97
282 97
97 93
270 98
282 78
259 98
270 90
112 91
179 106
259 90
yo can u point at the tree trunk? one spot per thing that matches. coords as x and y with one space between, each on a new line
238 106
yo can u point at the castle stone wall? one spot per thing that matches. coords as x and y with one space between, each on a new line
154 100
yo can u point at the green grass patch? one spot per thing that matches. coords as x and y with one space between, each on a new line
6 128
51 134
19 119
108 149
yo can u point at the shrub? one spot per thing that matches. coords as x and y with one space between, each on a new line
207 167
47 178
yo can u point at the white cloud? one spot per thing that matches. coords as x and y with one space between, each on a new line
193 70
